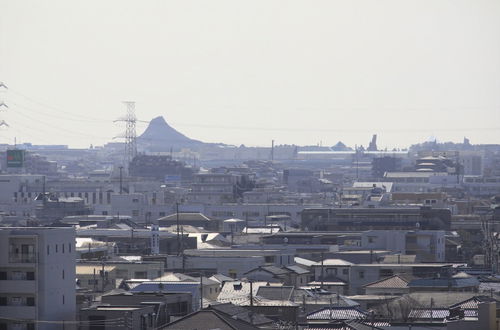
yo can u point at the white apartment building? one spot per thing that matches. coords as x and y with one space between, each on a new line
37 278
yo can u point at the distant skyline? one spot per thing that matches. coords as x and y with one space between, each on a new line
298 72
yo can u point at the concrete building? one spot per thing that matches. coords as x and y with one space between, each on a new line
427 245
37 278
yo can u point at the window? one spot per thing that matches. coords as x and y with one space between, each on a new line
3 301
30 301
63 300
63 274
135 200
30 276
48 249
3 276
62 245
93 282
269 259
56 248
141 275
161 214
135 213
104 212
345 271
361 274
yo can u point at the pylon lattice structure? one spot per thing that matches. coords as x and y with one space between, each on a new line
130 135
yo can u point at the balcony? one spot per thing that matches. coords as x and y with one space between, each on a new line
22 258
18 312
17 286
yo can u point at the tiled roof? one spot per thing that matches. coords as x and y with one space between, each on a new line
437 313
337 313
240 313
392 282
275 292
208 319
270 269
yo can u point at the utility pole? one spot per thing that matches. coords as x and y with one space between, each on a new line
322 270
121 180
178 228
201 291
251 293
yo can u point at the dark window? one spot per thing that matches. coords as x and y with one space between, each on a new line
56 248
62 245
30 326
63 274
3 276
30 301
63 300
48 249
3 301
30 276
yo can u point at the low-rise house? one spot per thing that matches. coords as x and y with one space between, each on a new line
208 320
118 317
167 305
394 285
242 314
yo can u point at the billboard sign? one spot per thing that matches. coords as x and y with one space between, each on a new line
15 158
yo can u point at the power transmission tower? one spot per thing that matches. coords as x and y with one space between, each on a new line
130 135
3 106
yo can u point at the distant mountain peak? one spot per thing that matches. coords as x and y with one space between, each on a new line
160 134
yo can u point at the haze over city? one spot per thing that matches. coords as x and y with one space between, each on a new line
224 71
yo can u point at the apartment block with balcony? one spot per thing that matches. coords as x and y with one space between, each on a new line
37 278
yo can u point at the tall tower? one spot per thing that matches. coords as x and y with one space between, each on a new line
130 135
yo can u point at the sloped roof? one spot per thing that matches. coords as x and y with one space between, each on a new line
275 292
392 282
208 320
297 269
270 269
337 313
334 262
241 313
185 217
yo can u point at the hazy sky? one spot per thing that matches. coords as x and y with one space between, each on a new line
299 72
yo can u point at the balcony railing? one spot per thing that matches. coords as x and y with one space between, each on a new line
22 258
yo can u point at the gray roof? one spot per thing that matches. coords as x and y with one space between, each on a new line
270 269
240 313
185 217
297 269
208 320
275 292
